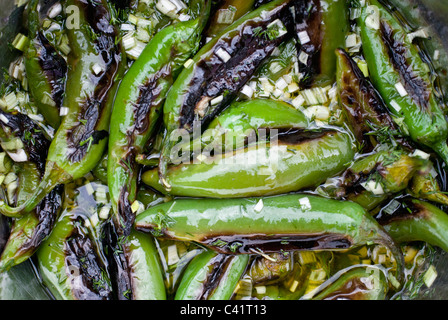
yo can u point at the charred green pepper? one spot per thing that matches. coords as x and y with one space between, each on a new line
359 283
45 68
211 276
81 138
321 27
416 220
138 104
270 224
364 108
27 232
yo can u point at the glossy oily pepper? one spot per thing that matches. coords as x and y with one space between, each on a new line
138 104
45 68
321 27
290 161
416 220
365 111
402 78
27 232
81 138
270 224
372 179
357 283
211 276
220 69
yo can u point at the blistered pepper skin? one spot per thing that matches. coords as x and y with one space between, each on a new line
81 139
417 220
298 161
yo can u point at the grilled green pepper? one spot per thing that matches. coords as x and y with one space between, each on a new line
135 267
270 224
359 283
81 138
321 27
45 69
220 69
138 104
416 220
298 159
70 264
27 232
211 276
242 123
402 78
365 111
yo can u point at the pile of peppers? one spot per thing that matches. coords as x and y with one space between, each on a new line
180 150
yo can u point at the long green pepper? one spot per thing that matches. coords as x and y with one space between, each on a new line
79 142
138 105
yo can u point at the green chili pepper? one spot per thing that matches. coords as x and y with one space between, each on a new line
211 276
416 220
79 142
299 159
45 70
242 121
268 269
27 232
287 222
69 262
321 28
220 69
138 105
402 78
365 111
228 12
358 283
425 186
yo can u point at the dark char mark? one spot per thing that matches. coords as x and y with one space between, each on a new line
213 77
36 145
416 87
85 268
83 135
54 66
47 212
